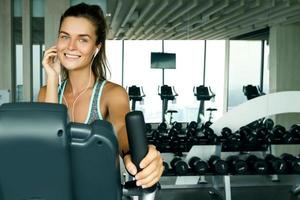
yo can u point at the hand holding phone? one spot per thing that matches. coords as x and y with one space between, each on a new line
51 63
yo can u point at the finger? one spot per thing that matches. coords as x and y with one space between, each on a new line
152 180
130 167
152 171
48 57
151 155
148 171
51 49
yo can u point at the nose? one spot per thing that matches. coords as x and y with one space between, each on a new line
72 44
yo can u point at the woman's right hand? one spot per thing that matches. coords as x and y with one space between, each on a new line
51 63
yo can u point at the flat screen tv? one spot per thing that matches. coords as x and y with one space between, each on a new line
163 60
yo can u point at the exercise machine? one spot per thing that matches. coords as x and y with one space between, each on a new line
203 93
166 93
135 94
43 156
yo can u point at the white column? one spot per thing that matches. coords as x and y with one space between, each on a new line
285 70
27 50
5 45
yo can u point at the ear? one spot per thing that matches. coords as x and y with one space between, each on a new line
97 50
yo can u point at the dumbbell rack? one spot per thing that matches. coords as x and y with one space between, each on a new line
223 181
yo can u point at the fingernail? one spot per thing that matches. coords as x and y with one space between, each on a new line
138 183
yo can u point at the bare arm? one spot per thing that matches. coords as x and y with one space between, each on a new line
118 107
151 165
52 67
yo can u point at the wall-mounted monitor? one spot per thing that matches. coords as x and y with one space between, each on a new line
163 60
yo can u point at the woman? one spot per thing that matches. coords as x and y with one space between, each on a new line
79 57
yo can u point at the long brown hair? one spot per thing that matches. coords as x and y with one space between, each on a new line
95 15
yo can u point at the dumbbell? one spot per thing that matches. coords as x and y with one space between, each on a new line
247 135
292 162
276 165
191 134
231 140
281 133
175 130
162 127
295 131
257 165
210 135
166 168
148 127
197 165
179 166
264 134
277 132
217 165
236 165
268 124
192 126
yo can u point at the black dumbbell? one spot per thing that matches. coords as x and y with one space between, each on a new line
166 168
295 131
179 166
292 163
231 140
268 123
217 165
276 165
192 126
148 127
210 135
236 165
263 133
257 165
247 135
198 166
162 127
175 130
277 132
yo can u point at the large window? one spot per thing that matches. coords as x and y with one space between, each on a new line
187 75
244 69
266 79
114 57
214 75
137 71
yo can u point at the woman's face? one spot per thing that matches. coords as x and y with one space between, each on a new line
76 43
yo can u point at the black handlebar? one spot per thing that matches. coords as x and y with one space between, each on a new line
136 129
138 144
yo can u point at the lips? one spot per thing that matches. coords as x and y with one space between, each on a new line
71 56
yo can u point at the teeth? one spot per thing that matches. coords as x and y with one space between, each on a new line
71 56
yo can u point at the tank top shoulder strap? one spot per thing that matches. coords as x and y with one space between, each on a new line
61 89
94 110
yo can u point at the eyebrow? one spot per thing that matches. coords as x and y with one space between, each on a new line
81 35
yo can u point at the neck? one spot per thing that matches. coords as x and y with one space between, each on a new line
80 80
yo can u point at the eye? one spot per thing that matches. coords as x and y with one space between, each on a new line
83 40
65 37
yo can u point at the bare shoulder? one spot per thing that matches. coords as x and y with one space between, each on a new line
113 90
42 94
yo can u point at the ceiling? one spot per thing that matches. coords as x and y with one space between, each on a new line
197 19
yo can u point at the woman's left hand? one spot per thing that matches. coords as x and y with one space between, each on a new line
152 168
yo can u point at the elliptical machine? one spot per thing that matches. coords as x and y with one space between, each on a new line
203 93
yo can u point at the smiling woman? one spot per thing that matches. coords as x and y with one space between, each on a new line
79 58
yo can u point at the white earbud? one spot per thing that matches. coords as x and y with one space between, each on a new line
97 50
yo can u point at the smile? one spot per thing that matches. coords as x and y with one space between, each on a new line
72 56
